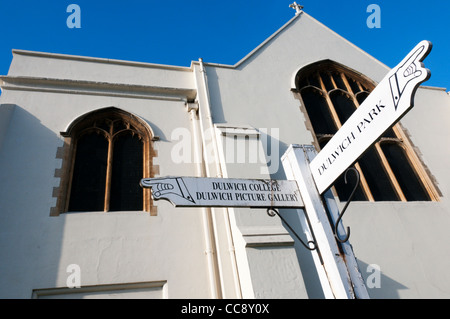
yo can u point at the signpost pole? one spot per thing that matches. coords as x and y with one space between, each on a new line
339 274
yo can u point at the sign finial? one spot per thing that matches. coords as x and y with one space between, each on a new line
298 8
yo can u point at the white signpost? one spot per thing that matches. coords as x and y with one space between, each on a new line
389 101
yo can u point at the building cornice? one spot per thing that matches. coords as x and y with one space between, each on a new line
66 86
100 60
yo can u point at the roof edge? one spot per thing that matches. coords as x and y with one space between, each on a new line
99 60
349 42
249 55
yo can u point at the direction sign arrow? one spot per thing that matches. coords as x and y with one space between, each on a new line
225 192
389 101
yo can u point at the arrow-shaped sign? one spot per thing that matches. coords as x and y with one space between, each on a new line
388 102
225 192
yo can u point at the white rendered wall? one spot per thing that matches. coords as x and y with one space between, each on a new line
110 248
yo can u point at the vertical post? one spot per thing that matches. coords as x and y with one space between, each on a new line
334 273
209 236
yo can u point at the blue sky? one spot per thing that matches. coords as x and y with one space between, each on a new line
177 32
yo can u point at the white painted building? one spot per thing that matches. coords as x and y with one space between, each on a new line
68 222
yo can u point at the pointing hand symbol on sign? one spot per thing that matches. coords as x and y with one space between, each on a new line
165 188
411 68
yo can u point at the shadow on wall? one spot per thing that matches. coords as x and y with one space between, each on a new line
30 240
215 96
379 286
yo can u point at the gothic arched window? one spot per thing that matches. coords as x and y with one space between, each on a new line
390 170
108 152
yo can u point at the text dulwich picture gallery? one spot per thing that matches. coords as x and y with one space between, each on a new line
225 192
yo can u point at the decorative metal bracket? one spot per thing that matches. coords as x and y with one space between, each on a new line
272 212
347 236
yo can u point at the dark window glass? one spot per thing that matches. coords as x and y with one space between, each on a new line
89 176
103 124
338 80
314 80
353 85
389 133
302 83
343 105
319 112
127 171
376 176
361 96
326 81
411 186
119 125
